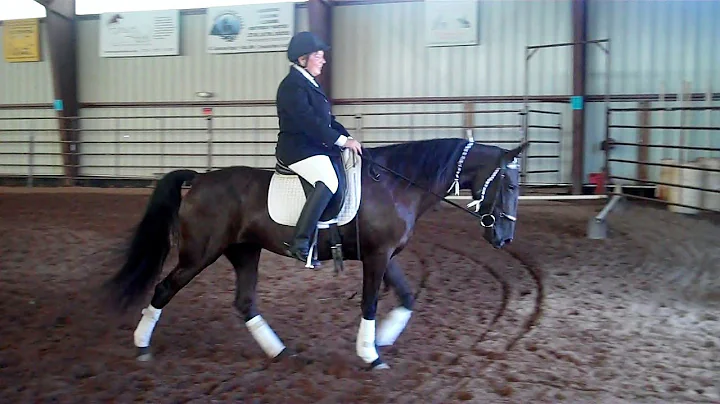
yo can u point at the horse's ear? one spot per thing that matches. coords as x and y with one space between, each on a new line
511 154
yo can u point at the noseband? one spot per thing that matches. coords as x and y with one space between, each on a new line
487 220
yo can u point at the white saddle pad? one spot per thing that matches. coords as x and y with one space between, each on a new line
286 196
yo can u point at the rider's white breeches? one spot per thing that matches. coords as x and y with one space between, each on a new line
317 168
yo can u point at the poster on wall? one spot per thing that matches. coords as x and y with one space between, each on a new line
451 22
21 40
264 27
140 33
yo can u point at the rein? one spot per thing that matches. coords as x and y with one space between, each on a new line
475 203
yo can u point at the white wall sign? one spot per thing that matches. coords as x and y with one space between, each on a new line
140 33
250 28
451 22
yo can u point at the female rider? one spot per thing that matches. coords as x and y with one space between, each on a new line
309 135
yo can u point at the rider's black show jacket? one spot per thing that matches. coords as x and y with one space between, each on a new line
307 127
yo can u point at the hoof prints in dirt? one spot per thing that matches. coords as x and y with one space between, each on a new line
490 342
554 317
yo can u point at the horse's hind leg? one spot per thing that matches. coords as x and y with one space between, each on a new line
190 264
390 328
245 259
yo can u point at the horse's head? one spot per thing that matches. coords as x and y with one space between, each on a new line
496 190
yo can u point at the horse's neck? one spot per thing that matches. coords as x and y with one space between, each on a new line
428 200
423 192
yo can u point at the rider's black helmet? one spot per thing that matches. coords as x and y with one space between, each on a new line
303 43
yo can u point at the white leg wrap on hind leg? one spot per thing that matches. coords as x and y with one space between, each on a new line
265 336
391 327
365 345
145 328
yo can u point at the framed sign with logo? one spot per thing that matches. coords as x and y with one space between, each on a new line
21 40
140 33
247 28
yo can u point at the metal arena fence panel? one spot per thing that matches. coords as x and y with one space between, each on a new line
671 148
146 146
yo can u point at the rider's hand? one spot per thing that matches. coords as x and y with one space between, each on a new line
354 145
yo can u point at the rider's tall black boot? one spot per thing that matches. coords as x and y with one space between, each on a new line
314 207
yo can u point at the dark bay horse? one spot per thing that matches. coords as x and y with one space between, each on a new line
225 212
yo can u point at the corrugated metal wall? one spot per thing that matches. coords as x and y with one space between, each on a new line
656 47
28 83
249 77
379 52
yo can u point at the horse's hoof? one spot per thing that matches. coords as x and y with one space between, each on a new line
378 364
144 355
285 354
293 358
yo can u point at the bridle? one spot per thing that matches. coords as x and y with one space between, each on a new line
513 165
477 203
456 186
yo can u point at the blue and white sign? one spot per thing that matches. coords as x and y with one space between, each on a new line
140 33
246 28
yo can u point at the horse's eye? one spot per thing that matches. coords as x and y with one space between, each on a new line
512 186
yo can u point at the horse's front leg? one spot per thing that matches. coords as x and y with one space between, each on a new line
374 267
394 324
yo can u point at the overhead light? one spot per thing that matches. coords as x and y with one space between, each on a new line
204 94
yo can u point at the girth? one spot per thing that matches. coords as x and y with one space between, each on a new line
281 169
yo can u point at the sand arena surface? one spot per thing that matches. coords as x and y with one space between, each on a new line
553 318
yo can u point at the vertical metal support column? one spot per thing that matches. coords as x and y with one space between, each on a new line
60 23
525 114
579 24
608 66
320 19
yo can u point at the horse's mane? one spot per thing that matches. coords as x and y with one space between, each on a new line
426 162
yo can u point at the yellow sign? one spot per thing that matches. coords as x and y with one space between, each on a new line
21 40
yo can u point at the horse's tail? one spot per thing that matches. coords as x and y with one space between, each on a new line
150 243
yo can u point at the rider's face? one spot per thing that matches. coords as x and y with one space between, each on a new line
315 62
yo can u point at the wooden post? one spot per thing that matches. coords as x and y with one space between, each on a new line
468 118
